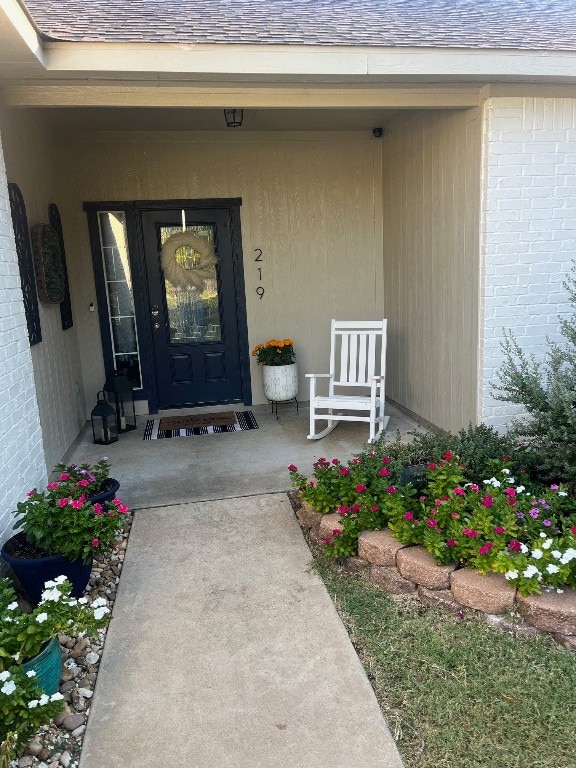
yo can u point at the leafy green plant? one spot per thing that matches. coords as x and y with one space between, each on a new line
547 392
275 352
61 520
23 705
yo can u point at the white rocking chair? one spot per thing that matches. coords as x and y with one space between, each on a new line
360 347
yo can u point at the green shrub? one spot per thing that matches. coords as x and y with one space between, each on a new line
547 392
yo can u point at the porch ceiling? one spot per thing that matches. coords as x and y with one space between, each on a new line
181 119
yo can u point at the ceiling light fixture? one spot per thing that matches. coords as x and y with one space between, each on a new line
234 117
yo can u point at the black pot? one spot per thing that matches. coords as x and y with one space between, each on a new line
108 494
33 572
416 475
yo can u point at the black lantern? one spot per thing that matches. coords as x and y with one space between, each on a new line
120 394
234 117
104 422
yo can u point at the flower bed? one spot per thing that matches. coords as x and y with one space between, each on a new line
521 535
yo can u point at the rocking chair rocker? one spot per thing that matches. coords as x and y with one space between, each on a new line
360 347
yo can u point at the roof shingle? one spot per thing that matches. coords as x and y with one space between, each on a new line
514 24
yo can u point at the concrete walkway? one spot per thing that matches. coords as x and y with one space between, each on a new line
225 651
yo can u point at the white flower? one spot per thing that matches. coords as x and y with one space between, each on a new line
50 584
536 554
569 555
12 607
16 656
60 579
101 612
4 675
511 575
523 549
51 595
562 493
552 568
530 571
520 489
542 535
43 700
511 480
556 554
82 600
547 544
505 471
41 618
8 687
56 696
98 602
33 704
560 591
31 673
493 482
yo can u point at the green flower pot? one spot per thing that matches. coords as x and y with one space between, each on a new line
48 667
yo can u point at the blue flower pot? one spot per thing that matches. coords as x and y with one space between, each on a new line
32 573
108 495
48 667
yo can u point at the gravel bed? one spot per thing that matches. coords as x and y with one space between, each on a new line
59 744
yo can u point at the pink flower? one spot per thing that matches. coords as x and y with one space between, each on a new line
326 539
422 498
53 486
408 516
384 472
343 511
95 542
431 466
431 523
514 545
356 461
374 508
360 488
30 494
356 507
470 532
485 548
499 529
510 491
336 532
344 471
386 460
451 543
292 468
63 502
474 487
335 461
97 509
391 489
487 501
77 504
83 483
117 502
111 514
459 491
448 455
65 476
455 515
554 487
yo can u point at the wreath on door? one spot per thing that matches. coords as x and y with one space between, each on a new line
180 276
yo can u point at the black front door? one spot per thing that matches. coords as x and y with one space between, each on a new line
196 304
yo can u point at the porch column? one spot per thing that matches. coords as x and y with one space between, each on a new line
528 232
22 462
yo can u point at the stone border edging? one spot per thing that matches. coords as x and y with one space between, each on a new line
408 569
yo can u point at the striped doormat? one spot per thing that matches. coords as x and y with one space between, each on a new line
242 420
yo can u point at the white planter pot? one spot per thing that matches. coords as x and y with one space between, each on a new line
280 382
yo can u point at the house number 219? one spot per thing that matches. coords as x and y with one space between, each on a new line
260 289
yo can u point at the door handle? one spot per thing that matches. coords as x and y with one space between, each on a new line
156 326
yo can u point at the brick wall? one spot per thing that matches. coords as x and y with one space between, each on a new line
528 230
21 453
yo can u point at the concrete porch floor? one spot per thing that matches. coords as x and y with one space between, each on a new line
177 470
224 649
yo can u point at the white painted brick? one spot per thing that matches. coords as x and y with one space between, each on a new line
525 262
21 450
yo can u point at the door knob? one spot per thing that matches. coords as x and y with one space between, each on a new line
156 326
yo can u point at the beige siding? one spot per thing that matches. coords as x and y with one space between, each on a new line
431 263
30 163
311 202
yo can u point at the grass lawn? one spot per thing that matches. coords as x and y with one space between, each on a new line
456 693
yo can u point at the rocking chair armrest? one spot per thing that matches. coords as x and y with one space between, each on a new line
318 375
377 378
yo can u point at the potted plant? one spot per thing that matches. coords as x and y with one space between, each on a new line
63 526
30 658
279 370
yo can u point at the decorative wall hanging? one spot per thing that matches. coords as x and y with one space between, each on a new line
66 318
25 263
48 263
180 276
